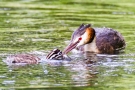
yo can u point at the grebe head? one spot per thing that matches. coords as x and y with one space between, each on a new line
55 54
83 35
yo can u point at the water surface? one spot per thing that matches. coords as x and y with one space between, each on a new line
38 26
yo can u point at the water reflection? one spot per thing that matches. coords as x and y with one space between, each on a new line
52 22
83 69
88 69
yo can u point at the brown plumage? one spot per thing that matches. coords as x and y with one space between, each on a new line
23 58
98 40
109 40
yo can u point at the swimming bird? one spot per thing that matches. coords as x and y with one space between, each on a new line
97 40
55 54
22 59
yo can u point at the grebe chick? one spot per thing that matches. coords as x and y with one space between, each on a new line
55 54
97 40
22 59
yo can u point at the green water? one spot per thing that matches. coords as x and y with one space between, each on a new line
38 26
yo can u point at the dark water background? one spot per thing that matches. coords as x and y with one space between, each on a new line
38 26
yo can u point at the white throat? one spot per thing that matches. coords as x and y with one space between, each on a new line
91 47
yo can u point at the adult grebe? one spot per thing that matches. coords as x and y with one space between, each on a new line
98 40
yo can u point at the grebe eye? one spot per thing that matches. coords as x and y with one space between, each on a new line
79 38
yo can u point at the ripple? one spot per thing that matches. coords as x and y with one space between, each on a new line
39 39
123 13
9 82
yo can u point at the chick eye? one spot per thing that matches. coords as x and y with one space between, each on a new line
79 38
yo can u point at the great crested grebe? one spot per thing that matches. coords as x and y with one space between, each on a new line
85 38
97 40
55 54
22 58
